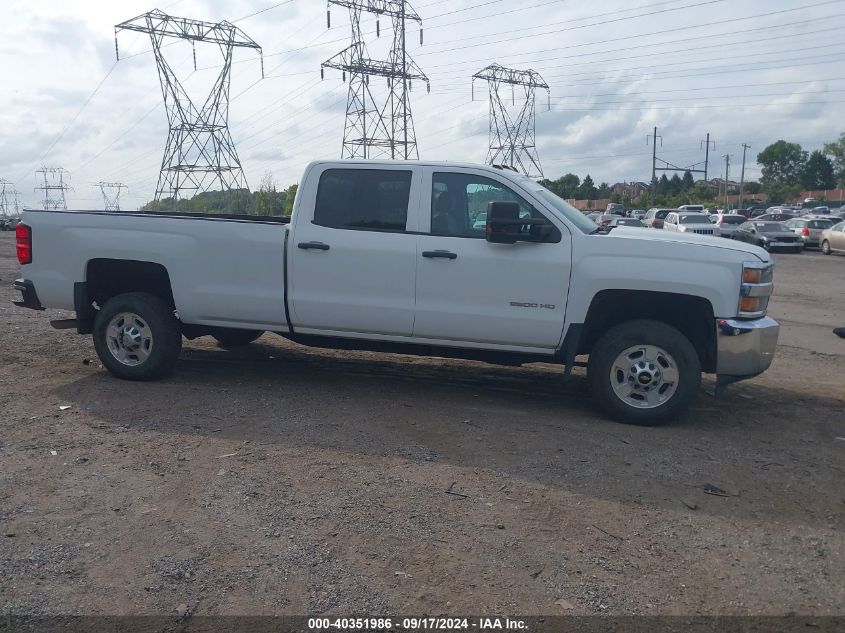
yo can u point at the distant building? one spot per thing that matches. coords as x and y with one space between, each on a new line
631 189
717 185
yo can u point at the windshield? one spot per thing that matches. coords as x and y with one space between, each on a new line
771 227
733 219
693 219
582 222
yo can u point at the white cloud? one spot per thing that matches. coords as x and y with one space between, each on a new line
747 80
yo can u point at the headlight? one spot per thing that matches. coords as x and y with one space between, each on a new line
755 290
752 275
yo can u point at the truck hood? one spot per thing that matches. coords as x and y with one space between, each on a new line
656 235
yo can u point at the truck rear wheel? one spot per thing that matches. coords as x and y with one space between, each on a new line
137 336
230 337
644 372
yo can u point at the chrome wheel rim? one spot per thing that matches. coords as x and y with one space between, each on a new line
129 338
644 376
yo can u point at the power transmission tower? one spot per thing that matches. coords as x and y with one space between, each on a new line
513 139
54 187
378 128
200 154
6 193
111 194
745 147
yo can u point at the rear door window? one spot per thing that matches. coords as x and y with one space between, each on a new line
364 199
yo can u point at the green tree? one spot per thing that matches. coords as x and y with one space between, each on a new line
587 190
782 164
836 151
783 193
818 172
604 190
663 185
290 195
688 181
676 185
567 185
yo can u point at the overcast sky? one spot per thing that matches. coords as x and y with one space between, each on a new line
746 71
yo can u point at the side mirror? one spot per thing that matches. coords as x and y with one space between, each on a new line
504 226
503 223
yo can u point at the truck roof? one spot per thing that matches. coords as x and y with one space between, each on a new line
420 163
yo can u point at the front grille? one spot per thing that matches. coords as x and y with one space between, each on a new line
703 231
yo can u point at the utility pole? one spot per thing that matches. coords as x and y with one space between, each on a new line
727 173
654 138
706 144
745 147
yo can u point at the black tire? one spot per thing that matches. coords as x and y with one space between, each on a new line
826 248
158 318
230 337
643 332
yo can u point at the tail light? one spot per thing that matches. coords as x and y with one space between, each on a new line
23 237
805 232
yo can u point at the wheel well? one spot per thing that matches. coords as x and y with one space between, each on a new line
107 278
692 316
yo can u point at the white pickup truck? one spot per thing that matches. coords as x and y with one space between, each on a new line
391 256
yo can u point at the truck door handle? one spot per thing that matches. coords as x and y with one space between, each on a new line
440 255
317 246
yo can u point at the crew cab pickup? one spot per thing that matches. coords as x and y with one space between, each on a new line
400 257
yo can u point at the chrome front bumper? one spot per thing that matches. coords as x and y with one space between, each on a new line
745 348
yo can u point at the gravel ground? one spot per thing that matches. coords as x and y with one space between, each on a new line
283 480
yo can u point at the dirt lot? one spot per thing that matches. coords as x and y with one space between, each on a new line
284 480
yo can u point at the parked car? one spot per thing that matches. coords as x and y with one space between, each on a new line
366 261
779 216
605 218
8 224
637 214
480 221
769 235
728 222
810 229
625 222
689 223
692 208
615 208
654 217
820 211
756 213
593 216
833 239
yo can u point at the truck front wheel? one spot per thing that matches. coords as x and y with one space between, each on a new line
644 372
137 336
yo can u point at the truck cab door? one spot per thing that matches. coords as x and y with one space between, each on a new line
352 251
474 292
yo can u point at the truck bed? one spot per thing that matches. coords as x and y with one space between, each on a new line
224 270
